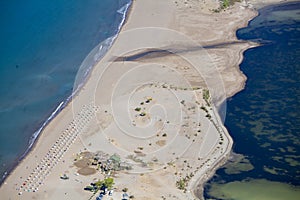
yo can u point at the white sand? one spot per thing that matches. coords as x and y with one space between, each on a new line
189 49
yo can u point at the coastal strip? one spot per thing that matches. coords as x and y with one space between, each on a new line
58 146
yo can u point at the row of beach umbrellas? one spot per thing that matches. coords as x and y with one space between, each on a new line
57 150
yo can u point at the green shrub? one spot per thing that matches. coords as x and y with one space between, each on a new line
138 109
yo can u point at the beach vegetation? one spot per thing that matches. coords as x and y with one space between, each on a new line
181 184
100 185
90 188
204 108
109 183
206 96
137 109
136 159
216 10
149 99
191 174
141 148
106 183
208 116
224 4
142 114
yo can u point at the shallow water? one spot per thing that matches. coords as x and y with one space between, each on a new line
43 44
264 119
259 189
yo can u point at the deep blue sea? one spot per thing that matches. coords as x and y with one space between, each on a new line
42 46
264 118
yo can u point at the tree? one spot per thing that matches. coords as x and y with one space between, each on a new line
99 184
109 183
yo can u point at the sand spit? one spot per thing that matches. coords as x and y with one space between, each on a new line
150 105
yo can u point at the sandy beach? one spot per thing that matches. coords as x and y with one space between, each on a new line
153 101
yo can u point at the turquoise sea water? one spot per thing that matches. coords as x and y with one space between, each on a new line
264 119
42 45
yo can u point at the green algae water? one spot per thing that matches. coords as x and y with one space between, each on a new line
264 119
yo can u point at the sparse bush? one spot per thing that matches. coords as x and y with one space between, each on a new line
142 114
137 109
206 96
181 184
225 4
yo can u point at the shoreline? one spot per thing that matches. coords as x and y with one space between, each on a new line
63 104
198 187
259 8
68 111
